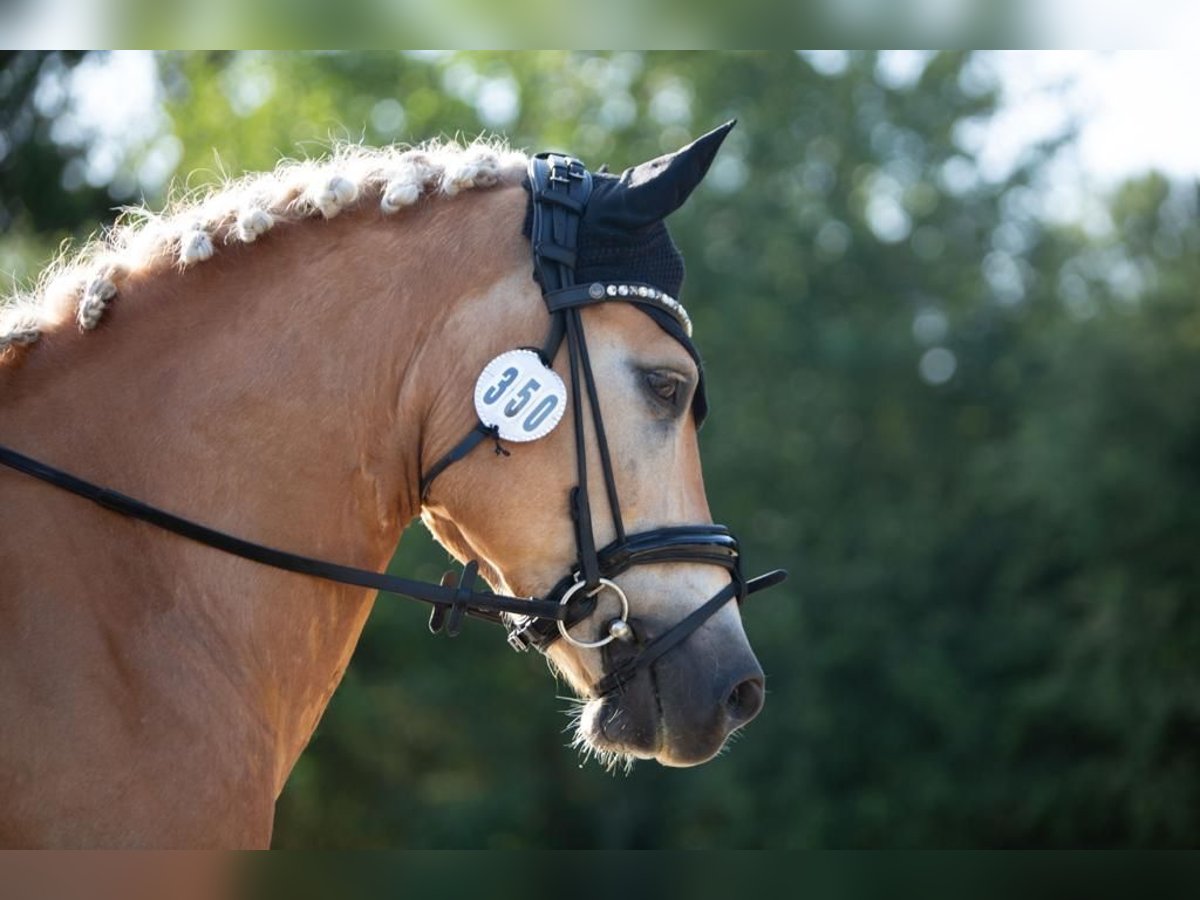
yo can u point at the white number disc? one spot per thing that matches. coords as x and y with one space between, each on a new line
520 396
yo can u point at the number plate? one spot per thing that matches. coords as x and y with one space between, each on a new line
520 396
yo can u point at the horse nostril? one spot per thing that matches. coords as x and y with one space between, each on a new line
744 702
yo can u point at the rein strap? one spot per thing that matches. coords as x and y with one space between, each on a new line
481 605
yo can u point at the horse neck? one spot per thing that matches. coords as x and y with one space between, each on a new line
279 392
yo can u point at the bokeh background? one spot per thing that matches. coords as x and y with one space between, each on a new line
955 391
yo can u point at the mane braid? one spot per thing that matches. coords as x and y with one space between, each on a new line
194 228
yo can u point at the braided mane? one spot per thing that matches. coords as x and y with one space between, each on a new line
193 228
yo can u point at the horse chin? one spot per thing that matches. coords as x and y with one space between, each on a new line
614 735
664 718
618 733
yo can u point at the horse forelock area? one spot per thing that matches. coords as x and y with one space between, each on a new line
82 284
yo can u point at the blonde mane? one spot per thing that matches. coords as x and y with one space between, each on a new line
192 228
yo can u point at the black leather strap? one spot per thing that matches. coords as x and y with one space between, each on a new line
668 640
606 466
581 509
581 295
589 294
280 559
561 187
712 544
474 438
652 651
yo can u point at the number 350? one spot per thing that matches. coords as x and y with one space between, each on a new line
517 404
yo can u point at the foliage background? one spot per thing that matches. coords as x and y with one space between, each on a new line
972 434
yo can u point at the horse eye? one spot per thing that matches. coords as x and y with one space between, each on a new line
665 387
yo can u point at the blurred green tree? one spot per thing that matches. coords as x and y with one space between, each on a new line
33 157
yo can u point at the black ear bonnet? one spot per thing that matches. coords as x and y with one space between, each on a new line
622 235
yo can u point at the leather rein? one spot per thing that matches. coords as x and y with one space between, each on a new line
560 187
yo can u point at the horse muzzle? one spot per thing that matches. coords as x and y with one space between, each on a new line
681 710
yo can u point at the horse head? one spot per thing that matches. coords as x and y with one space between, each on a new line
595 496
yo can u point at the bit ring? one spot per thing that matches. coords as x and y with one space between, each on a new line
572 591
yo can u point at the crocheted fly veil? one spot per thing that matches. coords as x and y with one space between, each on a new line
622 235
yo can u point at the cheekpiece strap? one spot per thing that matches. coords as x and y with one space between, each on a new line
561 186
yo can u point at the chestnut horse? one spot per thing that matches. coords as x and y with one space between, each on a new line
282 360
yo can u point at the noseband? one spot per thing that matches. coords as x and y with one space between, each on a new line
560 188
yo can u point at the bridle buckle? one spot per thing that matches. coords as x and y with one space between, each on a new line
517 637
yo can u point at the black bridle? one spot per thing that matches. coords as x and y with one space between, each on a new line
560 187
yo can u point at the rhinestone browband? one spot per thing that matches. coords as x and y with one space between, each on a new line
598 290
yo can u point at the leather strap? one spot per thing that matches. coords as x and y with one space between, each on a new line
652 651
606 467
473 439
713 544
489 604
591 294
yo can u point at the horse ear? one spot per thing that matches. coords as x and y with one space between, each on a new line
652 191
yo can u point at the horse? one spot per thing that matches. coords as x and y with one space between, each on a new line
287 359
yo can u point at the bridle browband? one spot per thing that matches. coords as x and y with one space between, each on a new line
560 187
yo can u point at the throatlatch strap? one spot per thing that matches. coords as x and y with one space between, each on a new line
473 439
